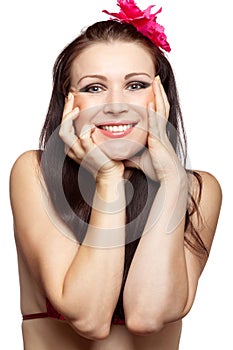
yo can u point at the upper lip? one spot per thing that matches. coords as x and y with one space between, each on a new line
116 123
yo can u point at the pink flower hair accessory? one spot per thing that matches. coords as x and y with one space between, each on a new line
143 21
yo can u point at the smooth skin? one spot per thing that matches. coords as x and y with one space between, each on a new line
83 282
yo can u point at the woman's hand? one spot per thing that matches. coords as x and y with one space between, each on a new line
160 161
82 149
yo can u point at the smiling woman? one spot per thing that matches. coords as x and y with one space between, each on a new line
124 229
114 99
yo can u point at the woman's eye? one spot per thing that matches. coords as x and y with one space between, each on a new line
92 89
137 86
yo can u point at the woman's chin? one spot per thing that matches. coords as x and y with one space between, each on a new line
121 148
121 151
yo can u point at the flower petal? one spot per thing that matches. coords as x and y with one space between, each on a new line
143 21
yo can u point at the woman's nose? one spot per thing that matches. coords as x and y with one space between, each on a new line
115 104
115 108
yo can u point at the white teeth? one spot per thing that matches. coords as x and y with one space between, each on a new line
117 128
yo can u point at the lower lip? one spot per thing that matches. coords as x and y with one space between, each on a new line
116 135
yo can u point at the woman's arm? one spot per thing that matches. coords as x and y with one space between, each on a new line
82 282
163 276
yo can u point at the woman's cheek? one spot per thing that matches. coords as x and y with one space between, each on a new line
85 102
79 102
145 98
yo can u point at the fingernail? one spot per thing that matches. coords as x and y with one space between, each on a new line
156 81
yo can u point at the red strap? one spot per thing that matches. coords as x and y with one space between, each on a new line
51 312
36 315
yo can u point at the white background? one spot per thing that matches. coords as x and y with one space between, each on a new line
200 33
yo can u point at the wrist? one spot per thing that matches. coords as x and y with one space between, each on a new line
110 189
111 176
178 179
175 188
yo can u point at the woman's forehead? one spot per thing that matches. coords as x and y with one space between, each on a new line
112 56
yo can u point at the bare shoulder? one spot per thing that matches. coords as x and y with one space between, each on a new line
207 193
211 192
24 177
30 198
27 160
209 180
25 188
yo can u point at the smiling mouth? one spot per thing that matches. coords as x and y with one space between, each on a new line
116 129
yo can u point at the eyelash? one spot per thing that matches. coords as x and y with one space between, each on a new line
142 85
139 83
89 87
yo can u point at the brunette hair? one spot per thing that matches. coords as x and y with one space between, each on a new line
52 157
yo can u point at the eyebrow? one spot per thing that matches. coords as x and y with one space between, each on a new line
136 73
102 77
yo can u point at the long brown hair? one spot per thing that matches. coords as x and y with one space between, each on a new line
77 213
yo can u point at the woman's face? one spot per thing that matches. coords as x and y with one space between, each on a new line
112 86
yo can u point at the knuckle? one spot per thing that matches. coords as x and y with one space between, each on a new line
62 135
87 143
64 116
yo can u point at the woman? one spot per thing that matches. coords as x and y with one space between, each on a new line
112 231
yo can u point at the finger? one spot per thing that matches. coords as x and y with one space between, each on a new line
153 127
159 103
69 105
165 99
158 116
156 126
85 137
70 153
161 100
67 127
71 116
75 150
